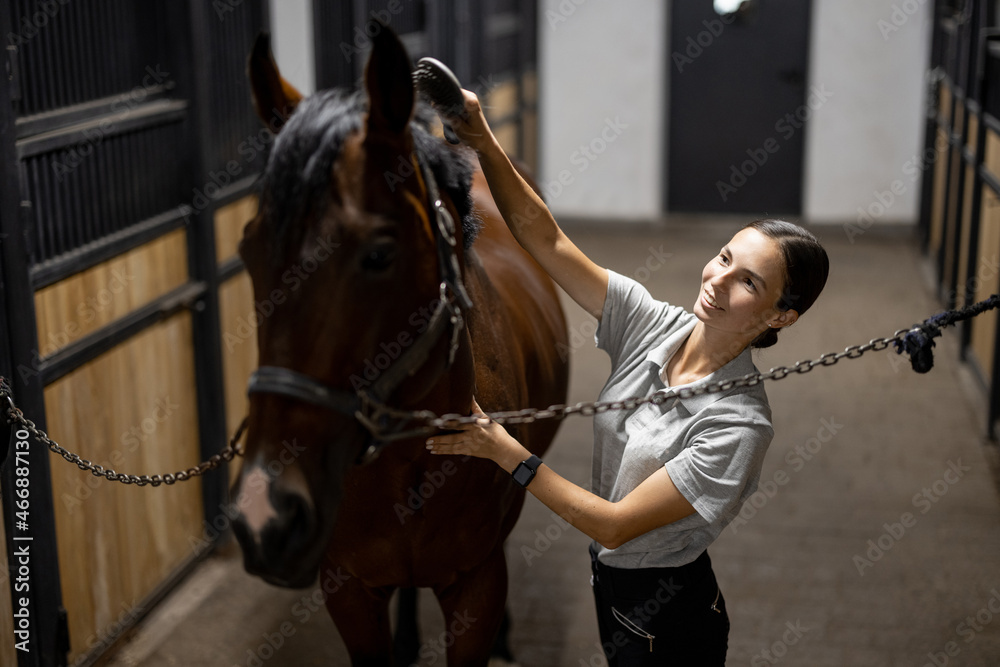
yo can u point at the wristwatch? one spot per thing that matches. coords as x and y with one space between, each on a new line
525 470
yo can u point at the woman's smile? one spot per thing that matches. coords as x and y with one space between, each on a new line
710 302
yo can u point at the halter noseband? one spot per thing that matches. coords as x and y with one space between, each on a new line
368 405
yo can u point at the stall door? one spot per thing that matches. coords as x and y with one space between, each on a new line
739 104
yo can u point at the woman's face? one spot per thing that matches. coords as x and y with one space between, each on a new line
741 286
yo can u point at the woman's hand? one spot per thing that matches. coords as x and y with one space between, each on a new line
471 127
485 439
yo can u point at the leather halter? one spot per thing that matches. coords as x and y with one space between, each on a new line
368 405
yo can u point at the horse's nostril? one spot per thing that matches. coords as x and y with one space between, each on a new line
243 534
297 515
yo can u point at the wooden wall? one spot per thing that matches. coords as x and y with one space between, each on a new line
88 300
120 236
984 327
529 121
7 652
509 100
132 409
964 235
961 211
236 305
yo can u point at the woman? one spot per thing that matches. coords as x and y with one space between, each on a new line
667 478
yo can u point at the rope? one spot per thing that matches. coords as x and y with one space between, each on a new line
919 341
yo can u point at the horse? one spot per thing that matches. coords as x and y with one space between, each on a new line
385 307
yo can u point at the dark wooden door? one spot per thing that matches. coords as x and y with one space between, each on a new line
739 104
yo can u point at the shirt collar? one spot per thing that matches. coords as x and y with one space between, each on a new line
657 357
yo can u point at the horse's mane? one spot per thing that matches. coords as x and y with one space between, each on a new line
296 181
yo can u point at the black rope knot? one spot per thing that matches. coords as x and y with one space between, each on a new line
919 341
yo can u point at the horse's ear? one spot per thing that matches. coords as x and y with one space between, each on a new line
274 99
389 83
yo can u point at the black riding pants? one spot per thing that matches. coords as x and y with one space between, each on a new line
661 616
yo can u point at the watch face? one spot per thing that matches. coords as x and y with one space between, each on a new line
523 474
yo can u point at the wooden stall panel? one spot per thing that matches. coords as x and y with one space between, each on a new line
965 235
986 282
529 126
940 184
7 651
80 304
133 409
507 136
944 102
239 351
950 228
529 121
967 222
530 88
229 223
992 157
970 142
501 102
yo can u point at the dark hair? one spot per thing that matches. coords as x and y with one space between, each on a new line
805 272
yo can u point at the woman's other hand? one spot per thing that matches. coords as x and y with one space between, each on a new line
484 439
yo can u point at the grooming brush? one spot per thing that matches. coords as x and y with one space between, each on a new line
441 87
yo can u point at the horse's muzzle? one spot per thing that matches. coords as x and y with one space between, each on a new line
279 532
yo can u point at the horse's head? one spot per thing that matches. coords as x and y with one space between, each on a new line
346 263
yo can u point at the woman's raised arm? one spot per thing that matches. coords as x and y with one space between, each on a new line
527 216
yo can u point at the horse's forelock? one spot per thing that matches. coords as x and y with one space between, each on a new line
296 181
295 184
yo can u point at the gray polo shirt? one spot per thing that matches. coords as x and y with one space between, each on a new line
712 445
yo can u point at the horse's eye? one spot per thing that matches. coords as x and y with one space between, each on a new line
379 256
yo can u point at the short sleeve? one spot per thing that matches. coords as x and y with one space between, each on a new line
721 465
630 316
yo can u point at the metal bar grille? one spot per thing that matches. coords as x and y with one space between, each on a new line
334 39
84 50
83 193
232 117
480 40
502 55
100 137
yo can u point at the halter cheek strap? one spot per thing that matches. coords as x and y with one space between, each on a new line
451 272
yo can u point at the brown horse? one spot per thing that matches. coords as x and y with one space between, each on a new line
379 299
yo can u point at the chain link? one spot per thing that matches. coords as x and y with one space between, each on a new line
530 415
452 421
16 418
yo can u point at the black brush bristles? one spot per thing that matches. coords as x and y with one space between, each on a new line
442 89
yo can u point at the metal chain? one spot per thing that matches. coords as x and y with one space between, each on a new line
16 418
530 415
452 421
